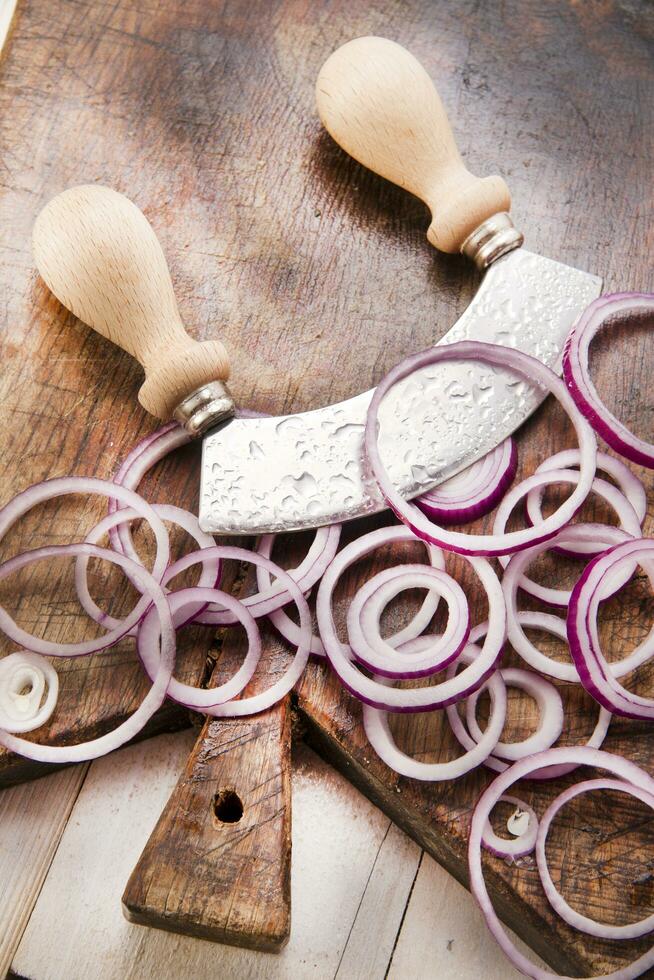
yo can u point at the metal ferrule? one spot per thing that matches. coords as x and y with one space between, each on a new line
494 237
205 408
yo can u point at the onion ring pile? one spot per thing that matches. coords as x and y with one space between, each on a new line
380 670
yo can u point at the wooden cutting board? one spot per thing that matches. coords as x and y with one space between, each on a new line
205 117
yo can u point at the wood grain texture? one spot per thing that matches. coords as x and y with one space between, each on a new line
317 274
101 258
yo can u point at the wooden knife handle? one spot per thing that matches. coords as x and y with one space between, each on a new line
378 102
99 255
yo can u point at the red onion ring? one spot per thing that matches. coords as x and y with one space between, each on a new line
474 544
147 643
576 373
166 659
386 659
209 578
258 702
541 620
581 755
550 710
628 483
596 674
39 493
374 692
24 712
474 491
602 930
516 847
377 729
627 515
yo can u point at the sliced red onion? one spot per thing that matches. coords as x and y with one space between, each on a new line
271 597
474 491
418 624
596 674
209 578
602 930
388 659
579 755
576 373
550 711
628 483
556 626
155 697
515 847
24 680
41 492
599 533
377 729
491 545
183 605
629 522
376 693
186 694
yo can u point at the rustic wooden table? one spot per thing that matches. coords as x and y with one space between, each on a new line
205 116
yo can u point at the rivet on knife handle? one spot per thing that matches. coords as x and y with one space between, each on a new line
99 255
378 102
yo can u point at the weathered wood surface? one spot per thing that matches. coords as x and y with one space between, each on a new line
307 260
218 863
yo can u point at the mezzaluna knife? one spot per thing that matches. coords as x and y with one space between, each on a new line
100 257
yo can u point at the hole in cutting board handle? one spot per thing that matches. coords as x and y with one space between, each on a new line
227 806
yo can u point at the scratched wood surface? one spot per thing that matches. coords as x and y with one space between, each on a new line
302 258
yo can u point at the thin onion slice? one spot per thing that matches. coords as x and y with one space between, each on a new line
387 659
602 930
596 674
628 483
576 373
476 490
155 697
186 693
378 732
599 533
474 544
375 693
24 680
581 755
516 847
629 523
42 492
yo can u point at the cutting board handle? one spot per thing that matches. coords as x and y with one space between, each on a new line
99 255
378 102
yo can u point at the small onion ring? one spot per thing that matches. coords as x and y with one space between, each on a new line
475 544
415 699
166 660
596 674
550 710
629 523
290 631
378 732
577 374
257 702
516 620
516 847
25 712
39 493
384 658
474 491
210 577
628 484
568 755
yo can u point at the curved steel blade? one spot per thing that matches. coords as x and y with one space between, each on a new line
300 471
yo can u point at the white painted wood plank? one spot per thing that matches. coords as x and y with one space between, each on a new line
77 929
371 940
32 821
7 11
444 934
